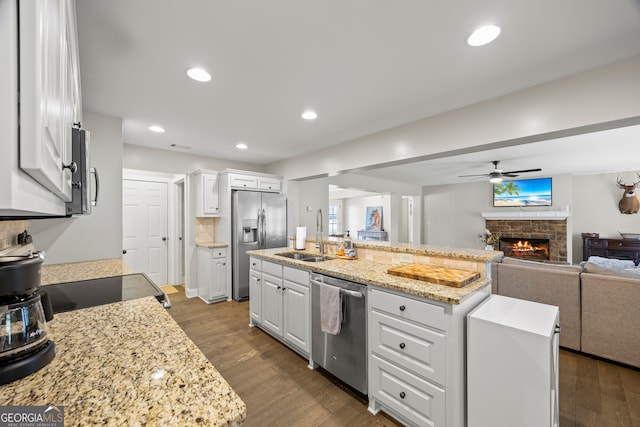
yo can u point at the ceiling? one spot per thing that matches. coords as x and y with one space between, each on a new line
362 65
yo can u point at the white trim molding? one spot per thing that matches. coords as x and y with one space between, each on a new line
532 215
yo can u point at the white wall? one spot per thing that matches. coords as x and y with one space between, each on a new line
149 159
354 212
99 235
595 208
313 194
453 213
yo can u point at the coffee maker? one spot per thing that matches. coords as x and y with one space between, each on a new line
24 311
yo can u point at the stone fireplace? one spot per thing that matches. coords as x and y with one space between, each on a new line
536 227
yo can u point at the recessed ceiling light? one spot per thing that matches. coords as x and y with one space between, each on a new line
309 115
156 128
241 146
198 74
483 35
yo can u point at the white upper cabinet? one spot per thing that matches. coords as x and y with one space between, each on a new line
255 182
49 92
40 101
206 193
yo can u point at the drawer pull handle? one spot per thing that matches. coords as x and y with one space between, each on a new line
403 308
402 395
402 345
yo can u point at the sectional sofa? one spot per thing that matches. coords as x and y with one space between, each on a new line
598 300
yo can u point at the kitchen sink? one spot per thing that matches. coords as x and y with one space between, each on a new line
304 257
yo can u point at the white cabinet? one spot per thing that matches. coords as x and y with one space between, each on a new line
255 291
212 274
49 92
41 75
284 311
417 357
296 308
206 193
512 367
272 298
255 182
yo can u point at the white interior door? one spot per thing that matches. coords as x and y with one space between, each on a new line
145 228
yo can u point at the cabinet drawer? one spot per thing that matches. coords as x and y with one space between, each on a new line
269 184
272 268
408 309
620 254
419 401
596 243
218 252
243 181
295 275
627 244
255 264
420 350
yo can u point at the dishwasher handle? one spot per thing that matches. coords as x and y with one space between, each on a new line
343 291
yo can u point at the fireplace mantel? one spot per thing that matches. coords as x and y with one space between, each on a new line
532 215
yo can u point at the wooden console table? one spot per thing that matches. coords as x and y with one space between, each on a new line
611 248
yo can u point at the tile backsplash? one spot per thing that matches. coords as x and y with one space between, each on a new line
206 229
9 231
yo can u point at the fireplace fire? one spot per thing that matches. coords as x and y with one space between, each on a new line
535 249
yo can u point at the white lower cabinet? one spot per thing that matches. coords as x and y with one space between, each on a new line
420 401
255 291
212 274
280 303
416 357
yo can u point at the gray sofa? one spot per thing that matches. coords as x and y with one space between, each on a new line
598 303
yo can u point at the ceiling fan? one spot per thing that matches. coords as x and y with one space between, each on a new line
498 174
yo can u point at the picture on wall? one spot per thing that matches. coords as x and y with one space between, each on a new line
374 218
522 192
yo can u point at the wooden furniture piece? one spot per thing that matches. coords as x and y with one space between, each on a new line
611 248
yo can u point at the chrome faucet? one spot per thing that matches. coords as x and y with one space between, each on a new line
319 242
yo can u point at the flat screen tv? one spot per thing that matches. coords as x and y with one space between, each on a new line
522 192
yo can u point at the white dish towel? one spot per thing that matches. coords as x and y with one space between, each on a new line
330 309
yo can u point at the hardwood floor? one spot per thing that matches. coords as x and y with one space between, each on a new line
279 389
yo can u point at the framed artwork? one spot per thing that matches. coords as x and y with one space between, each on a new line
373 221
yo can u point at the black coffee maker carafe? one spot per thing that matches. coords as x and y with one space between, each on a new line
24 311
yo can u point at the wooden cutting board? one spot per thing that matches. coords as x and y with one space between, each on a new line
435 274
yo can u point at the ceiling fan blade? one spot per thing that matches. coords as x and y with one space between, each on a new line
466 176
522 171
509 175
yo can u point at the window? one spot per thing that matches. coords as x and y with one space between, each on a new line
335 216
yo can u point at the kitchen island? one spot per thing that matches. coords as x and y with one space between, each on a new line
126 363
415 329
374 261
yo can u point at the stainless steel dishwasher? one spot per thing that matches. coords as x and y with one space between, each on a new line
343 355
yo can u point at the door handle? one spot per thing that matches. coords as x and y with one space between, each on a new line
164 239
124 251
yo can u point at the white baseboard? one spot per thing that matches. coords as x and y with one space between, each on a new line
191 293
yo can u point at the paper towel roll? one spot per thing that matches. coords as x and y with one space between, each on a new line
301 236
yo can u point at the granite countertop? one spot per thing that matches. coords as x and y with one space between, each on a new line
85 270
375 273
127 363
211 245
426 250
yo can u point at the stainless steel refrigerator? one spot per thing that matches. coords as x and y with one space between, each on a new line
259 221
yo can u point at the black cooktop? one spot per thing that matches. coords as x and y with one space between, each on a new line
90 293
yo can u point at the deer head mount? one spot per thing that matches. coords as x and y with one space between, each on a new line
629 203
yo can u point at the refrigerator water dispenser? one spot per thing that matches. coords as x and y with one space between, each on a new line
249 230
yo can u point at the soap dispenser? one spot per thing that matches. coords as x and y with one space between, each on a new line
348 243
